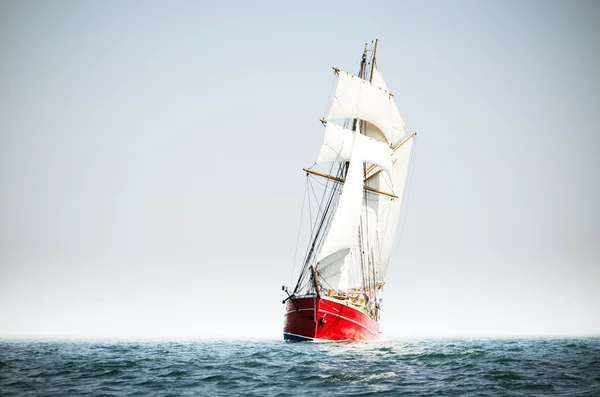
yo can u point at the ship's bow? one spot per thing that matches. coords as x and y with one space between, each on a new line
322 319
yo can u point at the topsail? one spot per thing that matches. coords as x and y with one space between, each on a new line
356 98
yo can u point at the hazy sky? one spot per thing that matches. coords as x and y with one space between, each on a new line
151 156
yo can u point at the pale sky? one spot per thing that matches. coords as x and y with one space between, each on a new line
151 160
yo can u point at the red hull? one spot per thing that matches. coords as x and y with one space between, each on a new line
312 318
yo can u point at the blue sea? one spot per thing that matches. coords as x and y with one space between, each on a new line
527 367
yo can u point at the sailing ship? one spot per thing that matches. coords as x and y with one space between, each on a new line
337 296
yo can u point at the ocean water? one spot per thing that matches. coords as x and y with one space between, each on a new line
545 367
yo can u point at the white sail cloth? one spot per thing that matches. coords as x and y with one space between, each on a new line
356 98
377 79
339 260
388 211
344 226
339 142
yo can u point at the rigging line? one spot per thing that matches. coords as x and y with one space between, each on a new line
334 189
325 185
312 235
314 242
310 208
299 229
364 247
331 94
331 205
312 249
310 221
388 181
320 212
414 155
304 267
325 281
323 214
376 196
386 215
334 186
314 238
360 253
328 216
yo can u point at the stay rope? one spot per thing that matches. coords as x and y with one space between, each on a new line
299 229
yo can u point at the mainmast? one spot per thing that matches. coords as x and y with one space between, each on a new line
366 259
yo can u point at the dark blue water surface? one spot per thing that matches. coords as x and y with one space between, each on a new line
547 367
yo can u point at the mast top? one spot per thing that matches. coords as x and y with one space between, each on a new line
373 60
363 62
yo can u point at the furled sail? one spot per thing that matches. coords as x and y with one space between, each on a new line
338 143
356 98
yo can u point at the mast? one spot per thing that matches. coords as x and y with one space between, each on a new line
361 74
373 62
366 259
364 262
363 62
371 282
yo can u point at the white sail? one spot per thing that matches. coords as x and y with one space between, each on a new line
369 233
387 210
338 143
341 271
377 80
344 226
356 98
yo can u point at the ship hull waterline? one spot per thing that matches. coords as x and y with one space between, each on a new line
319 319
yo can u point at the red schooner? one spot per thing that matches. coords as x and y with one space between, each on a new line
354 216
